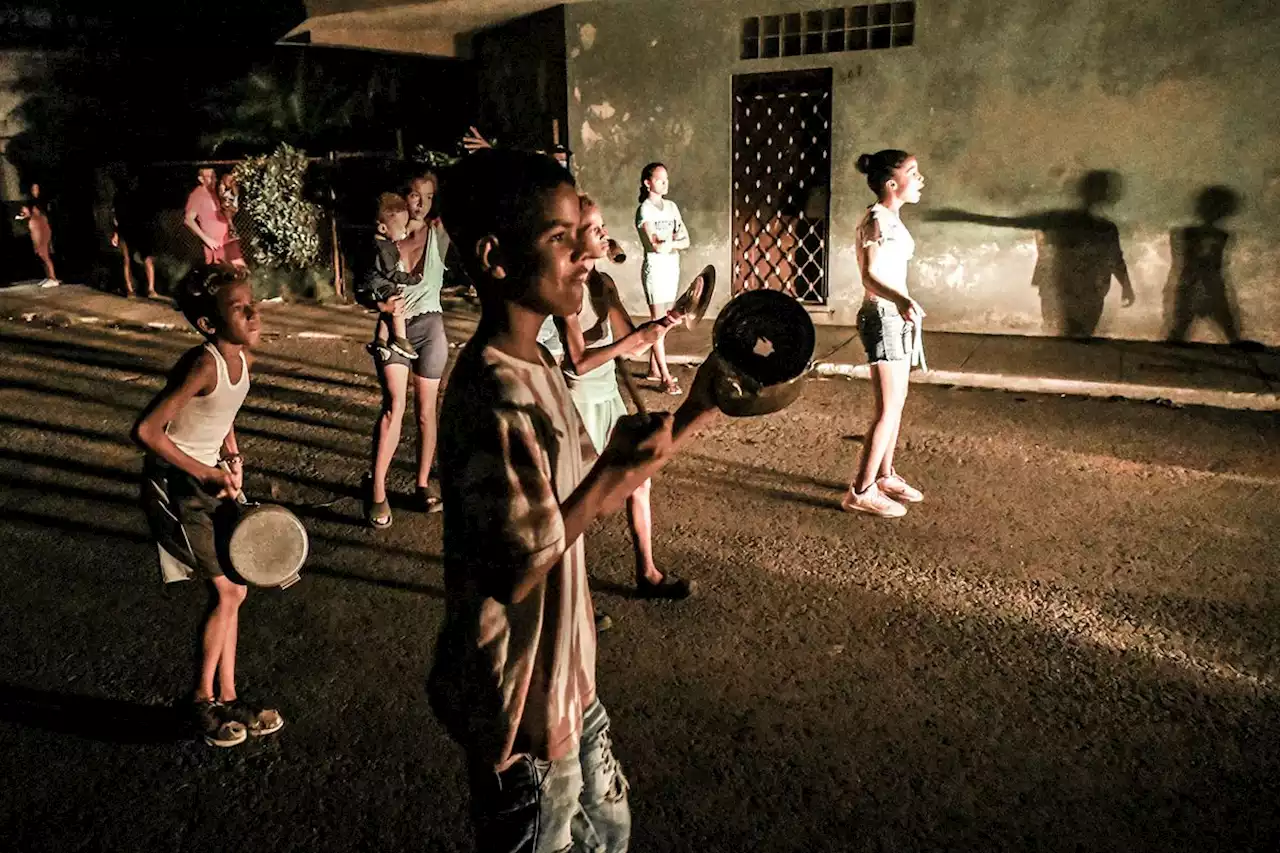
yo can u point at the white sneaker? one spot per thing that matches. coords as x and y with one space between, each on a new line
873 502
50 282
899 489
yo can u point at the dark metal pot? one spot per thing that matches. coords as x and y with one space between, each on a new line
762 349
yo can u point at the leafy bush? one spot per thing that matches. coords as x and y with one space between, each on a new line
284 230
431 158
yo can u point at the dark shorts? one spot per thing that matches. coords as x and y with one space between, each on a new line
185 520
426 333
138 242
885 335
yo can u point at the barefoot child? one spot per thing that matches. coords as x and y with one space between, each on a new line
387 277
193 470
513 679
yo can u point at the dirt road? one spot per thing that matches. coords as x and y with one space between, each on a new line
1072 645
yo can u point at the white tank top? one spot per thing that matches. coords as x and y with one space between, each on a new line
597 331
203 424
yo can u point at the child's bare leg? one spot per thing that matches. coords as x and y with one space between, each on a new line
128 269
227 662
398 326
883 428
215 632
48 265
640 521
899 377
149 263
386 431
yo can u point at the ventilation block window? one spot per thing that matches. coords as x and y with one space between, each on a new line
874 26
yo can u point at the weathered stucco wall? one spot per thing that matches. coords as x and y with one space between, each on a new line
1009 104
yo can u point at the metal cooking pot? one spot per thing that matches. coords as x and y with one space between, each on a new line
762 350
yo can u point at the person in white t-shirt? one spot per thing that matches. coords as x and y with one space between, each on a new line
887 322
662 235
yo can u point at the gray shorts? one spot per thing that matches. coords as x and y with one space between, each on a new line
426 333
885 335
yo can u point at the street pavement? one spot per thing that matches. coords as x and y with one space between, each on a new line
1070 645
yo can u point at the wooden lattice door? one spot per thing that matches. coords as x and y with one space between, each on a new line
782 182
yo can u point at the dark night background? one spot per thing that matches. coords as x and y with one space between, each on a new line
150 92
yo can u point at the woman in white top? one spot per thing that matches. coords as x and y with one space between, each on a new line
662 235
888 323
591 340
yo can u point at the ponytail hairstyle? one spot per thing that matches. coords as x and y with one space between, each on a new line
880 166
645 174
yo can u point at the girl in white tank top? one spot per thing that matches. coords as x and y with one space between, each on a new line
586 338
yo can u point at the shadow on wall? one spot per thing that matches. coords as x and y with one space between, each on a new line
1197 287
1077 255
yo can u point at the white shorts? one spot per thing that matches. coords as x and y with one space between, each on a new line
660 276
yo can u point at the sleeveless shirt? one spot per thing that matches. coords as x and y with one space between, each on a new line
203 424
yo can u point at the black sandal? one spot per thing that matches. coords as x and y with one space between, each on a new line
377 515
426 501
670 588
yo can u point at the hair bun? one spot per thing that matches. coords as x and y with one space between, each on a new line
865 162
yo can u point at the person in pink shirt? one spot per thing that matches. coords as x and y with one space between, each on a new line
205 219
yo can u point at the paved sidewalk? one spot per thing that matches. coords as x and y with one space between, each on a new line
1205 375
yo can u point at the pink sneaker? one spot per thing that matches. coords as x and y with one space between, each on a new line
873 502
899 489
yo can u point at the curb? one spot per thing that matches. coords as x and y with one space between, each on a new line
1167 395
1163 394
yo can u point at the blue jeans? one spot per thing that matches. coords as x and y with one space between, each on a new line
577 803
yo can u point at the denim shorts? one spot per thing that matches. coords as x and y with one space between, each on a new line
885 335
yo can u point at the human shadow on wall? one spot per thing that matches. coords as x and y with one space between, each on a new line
1197 286
1077 255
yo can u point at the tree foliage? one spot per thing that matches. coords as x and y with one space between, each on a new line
285 227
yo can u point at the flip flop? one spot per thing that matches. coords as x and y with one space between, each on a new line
428 502
379 515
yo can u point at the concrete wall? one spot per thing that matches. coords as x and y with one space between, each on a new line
520 80
14 65
1009 104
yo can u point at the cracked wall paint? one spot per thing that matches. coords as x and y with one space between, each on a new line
589 136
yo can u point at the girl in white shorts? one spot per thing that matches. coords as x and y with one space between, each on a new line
662 235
